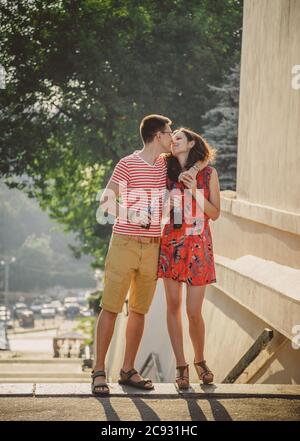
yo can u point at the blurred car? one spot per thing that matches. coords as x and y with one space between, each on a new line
36 307
26 318
72 310
9 324
18 308
70 300
57 305
48 311
82 301
5 317
85 312
5 312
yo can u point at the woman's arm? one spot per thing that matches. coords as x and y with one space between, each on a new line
211 206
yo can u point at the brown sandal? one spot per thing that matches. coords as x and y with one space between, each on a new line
181 377
206 372
105 388
125 380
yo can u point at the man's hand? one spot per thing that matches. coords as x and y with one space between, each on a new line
192 171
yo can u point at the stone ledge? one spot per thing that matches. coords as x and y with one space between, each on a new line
30 330
161 390
17 389
256 284
273 217
60 360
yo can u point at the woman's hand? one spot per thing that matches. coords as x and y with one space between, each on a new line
189 181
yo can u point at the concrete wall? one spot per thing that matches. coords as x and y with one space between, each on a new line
269 129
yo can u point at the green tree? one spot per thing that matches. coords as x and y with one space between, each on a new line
80 76
43 258
222 128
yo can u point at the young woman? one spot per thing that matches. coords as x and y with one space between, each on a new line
186 254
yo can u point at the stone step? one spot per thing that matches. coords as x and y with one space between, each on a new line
35 379
41 389
21 360
39 375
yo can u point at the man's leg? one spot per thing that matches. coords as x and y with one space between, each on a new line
119 266
103 335
134 333
141 294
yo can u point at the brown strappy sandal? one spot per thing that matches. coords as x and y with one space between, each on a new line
125 380
206 374
182 381
104 386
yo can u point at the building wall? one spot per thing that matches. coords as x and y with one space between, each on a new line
269 129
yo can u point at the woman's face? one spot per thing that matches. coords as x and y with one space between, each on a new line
180 143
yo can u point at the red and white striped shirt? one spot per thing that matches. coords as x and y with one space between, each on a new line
142 185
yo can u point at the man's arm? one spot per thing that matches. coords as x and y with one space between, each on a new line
110 205
199 165
108 200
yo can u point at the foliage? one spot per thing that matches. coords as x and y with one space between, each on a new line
94 300
80 76
87 326
43 258
222 128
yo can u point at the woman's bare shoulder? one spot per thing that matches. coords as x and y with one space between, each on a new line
213 170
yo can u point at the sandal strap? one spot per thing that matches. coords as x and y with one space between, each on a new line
96 374
100 389
105 385
144 381
205 373
206 370
129 374
181 375
203 365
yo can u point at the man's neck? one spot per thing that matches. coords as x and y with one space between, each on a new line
150 153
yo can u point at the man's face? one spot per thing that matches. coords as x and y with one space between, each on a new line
165 138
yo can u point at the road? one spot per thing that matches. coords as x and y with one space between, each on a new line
38 344
31 357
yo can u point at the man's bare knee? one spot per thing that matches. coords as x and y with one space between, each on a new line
107 315
136 315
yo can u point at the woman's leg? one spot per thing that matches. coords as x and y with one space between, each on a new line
173 291
194 301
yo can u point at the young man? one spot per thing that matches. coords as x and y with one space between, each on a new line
132 258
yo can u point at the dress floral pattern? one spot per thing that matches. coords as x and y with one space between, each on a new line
187 257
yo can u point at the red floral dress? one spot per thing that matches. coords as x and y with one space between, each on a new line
186 253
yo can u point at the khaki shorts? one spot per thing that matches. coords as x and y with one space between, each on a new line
130 266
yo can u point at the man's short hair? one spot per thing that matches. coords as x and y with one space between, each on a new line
152 124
